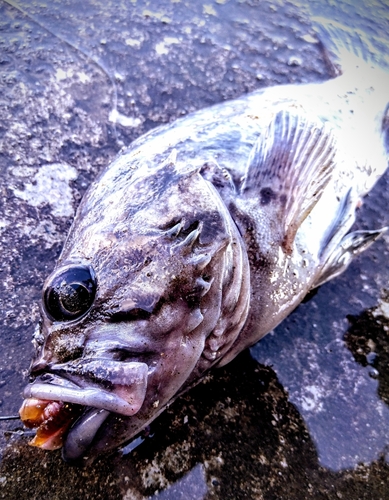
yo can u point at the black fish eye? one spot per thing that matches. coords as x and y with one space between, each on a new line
70 294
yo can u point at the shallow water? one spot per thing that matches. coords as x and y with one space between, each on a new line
308 411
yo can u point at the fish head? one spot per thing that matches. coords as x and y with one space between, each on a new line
147 295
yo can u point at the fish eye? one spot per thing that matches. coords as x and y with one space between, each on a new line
70 294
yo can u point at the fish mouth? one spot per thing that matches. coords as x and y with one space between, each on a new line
68 406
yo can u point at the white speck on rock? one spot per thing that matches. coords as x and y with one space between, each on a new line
382 309
3 225
162 47
51 185
311 400
309 38
125 121
295 61
84 77
132 42
61 74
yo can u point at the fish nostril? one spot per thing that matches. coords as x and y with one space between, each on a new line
41 375
38 367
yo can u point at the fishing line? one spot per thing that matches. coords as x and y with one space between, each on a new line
20 432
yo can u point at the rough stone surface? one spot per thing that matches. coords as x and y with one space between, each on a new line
305 415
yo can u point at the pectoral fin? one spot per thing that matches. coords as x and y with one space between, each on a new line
288 169
350 246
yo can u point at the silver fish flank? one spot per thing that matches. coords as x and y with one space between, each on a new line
200 238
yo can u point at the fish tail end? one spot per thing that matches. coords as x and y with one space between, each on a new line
347 48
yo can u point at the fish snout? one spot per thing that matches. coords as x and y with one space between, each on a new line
58 347
39 366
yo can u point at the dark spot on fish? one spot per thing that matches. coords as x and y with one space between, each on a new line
283 199
267 195
187 229
172 223
385 128
212 227
219 177
125 354
258 261
134 261
193 299
120 234
310 295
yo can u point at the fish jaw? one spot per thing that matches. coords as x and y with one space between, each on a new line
50 401
123 395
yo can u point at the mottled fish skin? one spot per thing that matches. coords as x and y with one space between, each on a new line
199 239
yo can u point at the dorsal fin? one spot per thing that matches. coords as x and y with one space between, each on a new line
289 167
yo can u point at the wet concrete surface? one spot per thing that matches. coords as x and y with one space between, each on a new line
305 413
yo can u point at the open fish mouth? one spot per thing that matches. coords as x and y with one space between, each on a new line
51 419
69 410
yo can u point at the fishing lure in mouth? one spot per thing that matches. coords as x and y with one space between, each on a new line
199 239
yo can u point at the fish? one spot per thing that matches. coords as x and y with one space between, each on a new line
195 242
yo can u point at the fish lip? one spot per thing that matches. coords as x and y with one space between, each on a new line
79 438
94 398
121 399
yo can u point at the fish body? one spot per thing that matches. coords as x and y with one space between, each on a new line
200 238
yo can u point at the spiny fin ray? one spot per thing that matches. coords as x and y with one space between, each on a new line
350 246
289 167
